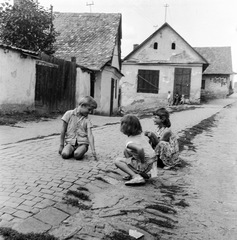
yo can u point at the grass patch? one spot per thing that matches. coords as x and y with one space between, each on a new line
182 203
161 223
101 179
10 234
120 235
27 116
79 195
162 208
76 203
190 133
82 189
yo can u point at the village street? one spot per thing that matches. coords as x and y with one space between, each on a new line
198 200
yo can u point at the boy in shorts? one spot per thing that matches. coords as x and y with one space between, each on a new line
76 134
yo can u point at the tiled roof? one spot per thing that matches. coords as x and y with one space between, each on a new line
219 59
90 37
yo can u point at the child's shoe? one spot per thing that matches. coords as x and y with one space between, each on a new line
127 178
135 181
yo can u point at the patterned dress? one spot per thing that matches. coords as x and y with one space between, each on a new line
168 151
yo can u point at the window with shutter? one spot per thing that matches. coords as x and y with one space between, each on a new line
148 81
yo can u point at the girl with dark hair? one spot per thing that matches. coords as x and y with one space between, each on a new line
163 140
138 154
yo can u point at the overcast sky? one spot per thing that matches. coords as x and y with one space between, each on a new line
202 23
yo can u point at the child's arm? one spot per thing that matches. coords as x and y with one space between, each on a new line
154 140
139 151
166 136
92 143
62 137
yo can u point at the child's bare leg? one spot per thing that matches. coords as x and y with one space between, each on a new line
80 152
67 151
121 164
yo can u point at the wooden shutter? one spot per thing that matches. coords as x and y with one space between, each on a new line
148 81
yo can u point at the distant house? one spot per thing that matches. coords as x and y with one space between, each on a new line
217 78
93 40
17 79
163 62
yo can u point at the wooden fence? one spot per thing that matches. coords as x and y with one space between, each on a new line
55 84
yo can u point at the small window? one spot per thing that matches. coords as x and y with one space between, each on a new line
203 84
155 45
173 45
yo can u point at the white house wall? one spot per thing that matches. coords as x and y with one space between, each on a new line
17 81
97 93
216 86
182 53
104 95
131 100
82 85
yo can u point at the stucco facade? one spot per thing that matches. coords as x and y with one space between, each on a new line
17 80
215 86
132 100
217 78
106 88
164 51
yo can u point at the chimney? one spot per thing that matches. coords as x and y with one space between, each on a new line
135 46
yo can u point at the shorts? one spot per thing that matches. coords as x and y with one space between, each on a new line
133 164
75 146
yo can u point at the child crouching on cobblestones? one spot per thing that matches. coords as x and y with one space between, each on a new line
138 154
76 133
163 140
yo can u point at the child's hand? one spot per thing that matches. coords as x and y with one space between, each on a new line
60 149
94 156
147 133
142 167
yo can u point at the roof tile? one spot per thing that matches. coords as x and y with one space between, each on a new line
219 58
90 37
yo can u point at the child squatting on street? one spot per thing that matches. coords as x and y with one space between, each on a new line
138 154
163 140
76 133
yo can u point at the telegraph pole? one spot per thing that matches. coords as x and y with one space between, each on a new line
90 4
166 6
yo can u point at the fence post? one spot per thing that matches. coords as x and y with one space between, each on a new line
73 59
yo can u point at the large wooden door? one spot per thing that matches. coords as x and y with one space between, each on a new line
182 77
55 86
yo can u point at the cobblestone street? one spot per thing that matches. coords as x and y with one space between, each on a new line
37 185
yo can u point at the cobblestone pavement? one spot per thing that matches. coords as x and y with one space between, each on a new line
212 179
37 185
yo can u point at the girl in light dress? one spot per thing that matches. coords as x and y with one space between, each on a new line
163 140
139 156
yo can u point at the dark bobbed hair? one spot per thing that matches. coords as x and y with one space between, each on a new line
88 101
130 125
164 116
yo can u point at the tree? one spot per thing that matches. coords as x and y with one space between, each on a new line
27 25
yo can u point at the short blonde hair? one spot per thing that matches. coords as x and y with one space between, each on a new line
88 101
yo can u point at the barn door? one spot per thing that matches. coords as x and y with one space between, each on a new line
182 79
55 86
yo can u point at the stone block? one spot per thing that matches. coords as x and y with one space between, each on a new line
32 225
51 216
67 208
